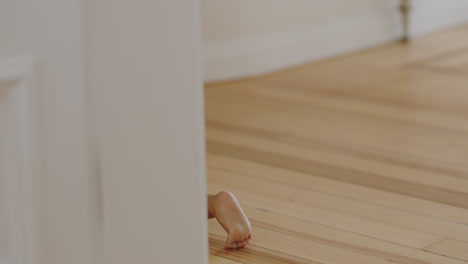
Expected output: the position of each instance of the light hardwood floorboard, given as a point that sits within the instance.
(337, 238)
(358, 159)
(304, 248)
(351, 223)
(345, 190)
(347, 168)
(311, 198)
(220, 260)
(451, 248)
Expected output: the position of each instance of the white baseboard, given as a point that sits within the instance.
(261, 54)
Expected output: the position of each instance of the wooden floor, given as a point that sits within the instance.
(360, 159)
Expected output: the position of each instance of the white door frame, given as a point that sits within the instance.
(66, 206)
(21, 167)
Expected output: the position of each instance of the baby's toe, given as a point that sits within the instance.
(231, 245)
(238, 243)
(242, 243)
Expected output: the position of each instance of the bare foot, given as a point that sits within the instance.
(226, 209)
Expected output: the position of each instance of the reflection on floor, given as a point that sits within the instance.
(360, 159)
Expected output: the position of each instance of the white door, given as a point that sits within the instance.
(101, 132)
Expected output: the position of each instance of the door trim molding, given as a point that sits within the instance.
(16, 75)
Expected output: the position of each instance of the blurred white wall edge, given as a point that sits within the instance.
(248, 38)
(145, 84)
(102, 132)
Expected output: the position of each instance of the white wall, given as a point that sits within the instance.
(50, 32)
(145, 87)
(432, 15)
(246, 38)
(131, 70)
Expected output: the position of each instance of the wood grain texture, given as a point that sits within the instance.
(359, 159)
(349, 191)
(253, 254)
(452, 248)
(302, 148)
(337, 238)
(350, 223)
(311, 199)
(336, 172)
(305, 249)
(220, 260)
